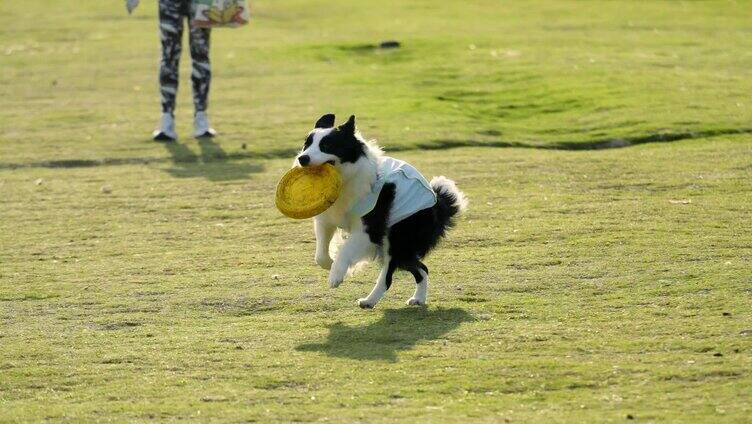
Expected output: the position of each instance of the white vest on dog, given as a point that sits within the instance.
(412, 191)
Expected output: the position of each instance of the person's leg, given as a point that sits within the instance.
(201, 75)
(171, 34)
(201, 78)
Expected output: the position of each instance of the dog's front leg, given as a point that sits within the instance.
(324, 233)
(357, 247)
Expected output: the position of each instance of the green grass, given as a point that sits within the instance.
(585, 283)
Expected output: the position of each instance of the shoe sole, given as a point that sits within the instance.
(163, 137)
(207, 134)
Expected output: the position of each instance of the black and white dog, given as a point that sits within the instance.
(386, 207)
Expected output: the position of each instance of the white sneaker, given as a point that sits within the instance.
(166, 131)
(201, 126)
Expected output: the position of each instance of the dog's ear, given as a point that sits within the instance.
(326, 121)
(349, 126)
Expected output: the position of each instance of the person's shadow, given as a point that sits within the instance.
(213, 162)
(398, 329)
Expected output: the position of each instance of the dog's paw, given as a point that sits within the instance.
(324, 262)
(416, 302)
(335, 280)
(365, 303)
(337, 276)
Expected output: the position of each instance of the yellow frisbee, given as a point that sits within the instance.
(306, 192)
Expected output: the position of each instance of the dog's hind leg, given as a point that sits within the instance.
(382, 284)
(420, 272)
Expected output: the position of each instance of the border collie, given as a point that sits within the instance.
(389, 211)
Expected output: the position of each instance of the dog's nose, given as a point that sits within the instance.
(304, 160)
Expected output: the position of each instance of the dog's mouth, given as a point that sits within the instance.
(330, 162)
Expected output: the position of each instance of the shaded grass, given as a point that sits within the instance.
(213, 152)
(381, 339)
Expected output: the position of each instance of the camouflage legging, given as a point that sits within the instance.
(172, 14)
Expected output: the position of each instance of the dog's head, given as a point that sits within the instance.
(329, 144)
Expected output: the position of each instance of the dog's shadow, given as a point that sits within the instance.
(397, 330)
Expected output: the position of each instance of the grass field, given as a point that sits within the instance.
(603, 272)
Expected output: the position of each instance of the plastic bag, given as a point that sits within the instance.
(220, 13)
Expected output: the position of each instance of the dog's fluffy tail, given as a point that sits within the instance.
(450, 201)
